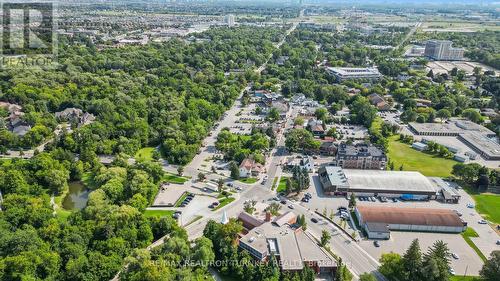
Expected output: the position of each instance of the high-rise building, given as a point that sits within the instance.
(229, 20)
(442, 50)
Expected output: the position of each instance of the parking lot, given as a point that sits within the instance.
(468, 263)
(351, 131)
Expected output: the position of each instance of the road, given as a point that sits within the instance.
(409, 35)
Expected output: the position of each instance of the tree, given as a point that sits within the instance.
(392, 266)
(180, 170)
(325, 238)
(401, 167)
(249, 206)
(367, 277)
(321, 113)
(201, 176)
(473, 115)
(300, 139)
(220, 185)
(273, 115)
(412, 262)
(235, 171)
(436, 263)
(352, 201)
(274, 208)
(491, 268)
(443, 114)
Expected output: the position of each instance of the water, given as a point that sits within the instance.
(77, 196)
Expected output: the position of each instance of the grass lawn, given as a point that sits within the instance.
(282, 184)
(171, 178)
(145, 154)
(224, 202)
(273, 187)
(465, 278)
(158, 213)
(413, 160)
(470, 232)
(488, 205)
(181, 199)
(249, 180)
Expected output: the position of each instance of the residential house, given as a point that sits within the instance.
(250, 167)
(328, 148)
(379, 102)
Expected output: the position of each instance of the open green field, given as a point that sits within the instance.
(171, 178)
(282, 184)
(470, 232)
(145, 154)
(488, 205)
(249, 180)
(158, 213)
(413, 160)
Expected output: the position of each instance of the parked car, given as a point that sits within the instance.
(314, 220)
(373, 199)
(452, 271)
(305, 200)
(455, 256)
(394, 200)
(291, 206)
(482, 222)
(470, 205)
(376, 243)
(283, 202)
(498, 242)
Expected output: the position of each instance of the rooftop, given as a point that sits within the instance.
(482, 142)
(353, 71)
(455, 126)
(412, 216)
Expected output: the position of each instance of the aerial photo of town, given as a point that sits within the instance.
(273, 140)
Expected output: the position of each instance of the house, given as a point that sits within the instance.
(14, 121)
(249, 167)
(328, 148)
(316, 127)
(75, 115)
(379, 102)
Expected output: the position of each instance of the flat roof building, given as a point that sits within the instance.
(488, 148)
(347, 73)
(411, 219)
(442, 50)
(360, 156)
(336, 180)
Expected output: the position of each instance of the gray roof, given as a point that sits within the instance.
(377, 227)
(359, 149)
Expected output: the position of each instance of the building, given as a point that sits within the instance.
(379, 102)
(306, 163)
(328, 148)
(75, 115)
(229, 20)
(373, 219)
(442, 50)
(453, 127)
(403, 184)
(488, 148)
(250, 167)
(347, 73)
(419, 146)
(360, 156)
(292, 247)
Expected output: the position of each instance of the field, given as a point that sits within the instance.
(470, 232)
(171, 178)
(158, 213)
(282, 184)
(145, 154)
(413, 160)
(465, 278)
(488, 205)
(249, 180)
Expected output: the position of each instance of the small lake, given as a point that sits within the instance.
(77, 196)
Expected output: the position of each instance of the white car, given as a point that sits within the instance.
(470, 205)
(455, 256)
(452, 271)
(482, 222)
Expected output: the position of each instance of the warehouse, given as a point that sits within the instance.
(373, 219)
(407, 184)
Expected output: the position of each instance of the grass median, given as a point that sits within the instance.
(224, 202)
(467, 234)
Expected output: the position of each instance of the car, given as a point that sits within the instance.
(238, 188)
(376, 243)
(458, 213)
(291, 206)
(305, 200)
(498, 242)
(470, 205)
(178, 212)
(452, 271)
(455, 256)
(230, 184)
(395, 200)
(342, 208)
(373, 199)
(314, 220)
(482, 222)
(176, 216)
(283, 202)
(183, 204)
(211, 206)
(276, 198)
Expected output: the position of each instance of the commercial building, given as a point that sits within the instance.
(404, 184)
(250, 167)
(229, 20)
(378, 220)
(479, 138)
(442, 50)
(292, 247)
(360, 156)
(347, 73)
(379, 102)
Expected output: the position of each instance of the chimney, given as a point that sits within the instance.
(268, 216)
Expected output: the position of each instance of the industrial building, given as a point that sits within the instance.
(404, 184)
(442, 50)
(378, 221)
(486, 147)
(347, 73)
(292, 247)
(360, 156)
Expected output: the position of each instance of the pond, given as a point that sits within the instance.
(77, 196)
